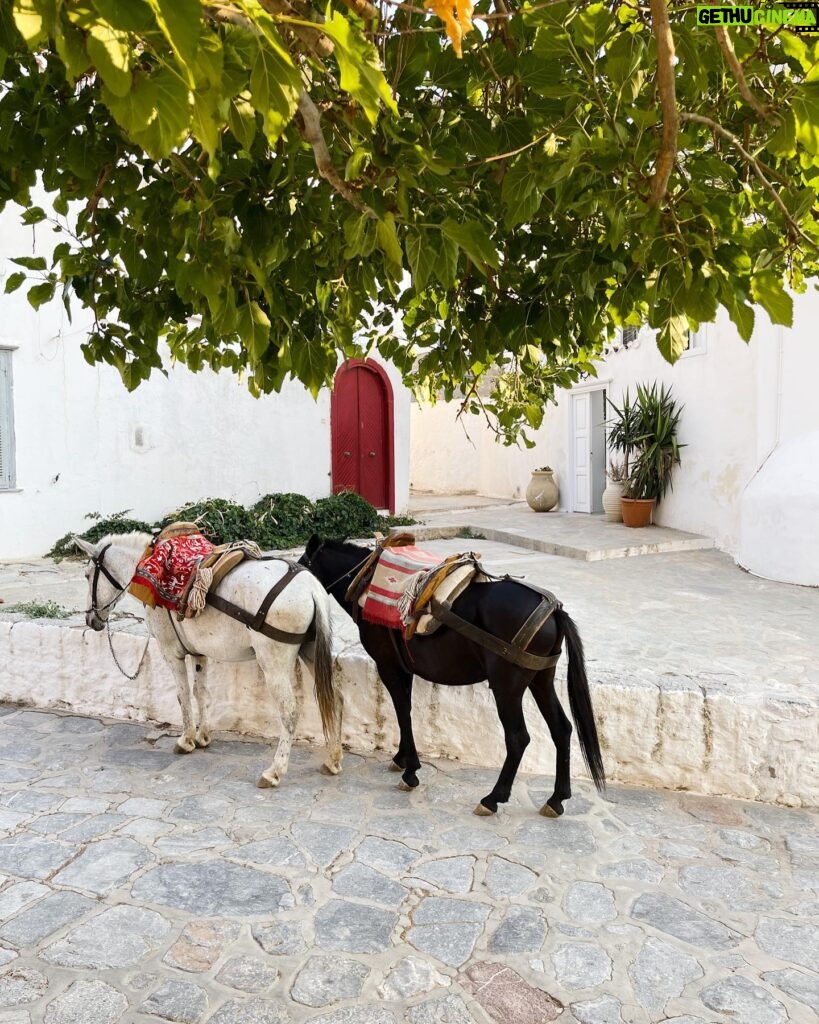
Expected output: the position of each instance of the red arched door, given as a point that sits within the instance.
(362, 432)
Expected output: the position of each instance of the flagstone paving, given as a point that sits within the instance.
(137, 887)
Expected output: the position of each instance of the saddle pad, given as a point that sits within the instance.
(395, 568)
(163, 573)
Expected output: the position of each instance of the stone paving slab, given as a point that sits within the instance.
(567, 534)
(634, 909)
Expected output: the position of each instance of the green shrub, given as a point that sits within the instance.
(344, 515)
(103, 525)
(282, 520)
(220, 520)
(275, 522)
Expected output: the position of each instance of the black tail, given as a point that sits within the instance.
(580, 701)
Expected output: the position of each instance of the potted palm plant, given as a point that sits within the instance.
(645, 431)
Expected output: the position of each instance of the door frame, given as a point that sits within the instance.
(598, 384)
(381, 373)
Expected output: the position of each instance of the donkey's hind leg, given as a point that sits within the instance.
(560, 729)
(278, 663)
(508, 690)
(202, 697)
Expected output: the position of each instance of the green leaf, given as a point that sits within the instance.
(13, 281)
(242, 122)
(768, 290)
(275, 87)
(806, 113)
(110, 52)
(155, 112)
(473, 238)
(361, 73)
(34, 19)
(33, 215)
(446, 262)
(672, 338)
(591, 26)
(740, 313)
(41, 293)
(421, 256)
(254, 330)
(180, 22)
(130, 16)
(30, 262)
(520, 193)
(388, 243)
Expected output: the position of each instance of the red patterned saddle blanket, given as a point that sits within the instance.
(164, 572)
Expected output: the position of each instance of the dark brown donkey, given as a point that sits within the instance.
(448, 657)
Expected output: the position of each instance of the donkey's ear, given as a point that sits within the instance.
(313, 544)
(83, 545)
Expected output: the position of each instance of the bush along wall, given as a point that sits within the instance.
(276, 522)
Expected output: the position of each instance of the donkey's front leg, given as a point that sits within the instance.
(277, 662)
(399, 687)
(200, 692)
(187, 741)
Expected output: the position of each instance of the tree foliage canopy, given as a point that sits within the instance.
(269, 184)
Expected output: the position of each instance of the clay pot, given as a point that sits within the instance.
(611, 501)
(542, 494)
(637, 511)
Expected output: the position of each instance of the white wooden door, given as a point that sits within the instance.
(582, 431)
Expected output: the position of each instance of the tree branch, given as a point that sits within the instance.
(668, 101)
(312, 133)
(363, 8)
(314, 40)
(794, 231)
(738, 72)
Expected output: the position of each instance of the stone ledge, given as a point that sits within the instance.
(707, 737)
(521, 539)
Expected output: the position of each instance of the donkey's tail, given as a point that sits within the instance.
(580, 700)
(327, 696)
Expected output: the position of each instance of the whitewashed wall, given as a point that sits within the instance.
(741, 402)
(84, 444)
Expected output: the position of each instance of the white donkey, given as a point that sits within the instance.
(213, 634)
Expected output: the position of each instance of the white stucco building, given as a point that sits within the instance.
(73, 440)
(749, 476)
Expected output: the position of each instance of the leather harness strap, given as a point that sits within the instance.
(257, 622)
(442, 610)
(544, 611)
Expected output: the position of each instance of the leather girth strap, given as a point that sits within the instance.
(257, 622)
(512, 650)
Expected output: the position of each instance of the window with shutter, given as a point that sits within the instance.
(7, 477)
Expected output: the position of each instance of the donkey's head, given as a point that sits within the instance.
(113, 561)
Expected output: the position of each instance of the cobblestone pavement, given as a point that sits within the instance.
(138, 886)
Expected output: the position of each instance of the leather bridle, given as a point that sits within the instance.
(100, 569)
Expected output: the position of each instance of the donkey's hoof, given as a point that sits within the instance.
(327, 769)
(265, 783)
(405, 787)
(549, 812)
(203, 741)
(394, 767)
(182, 748)
(483, 812)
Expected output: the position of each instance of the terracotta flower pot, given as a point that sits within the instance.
(542, 494)
(637, 511)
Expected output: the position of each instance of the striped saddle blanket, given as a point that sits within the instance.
(405, 580)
